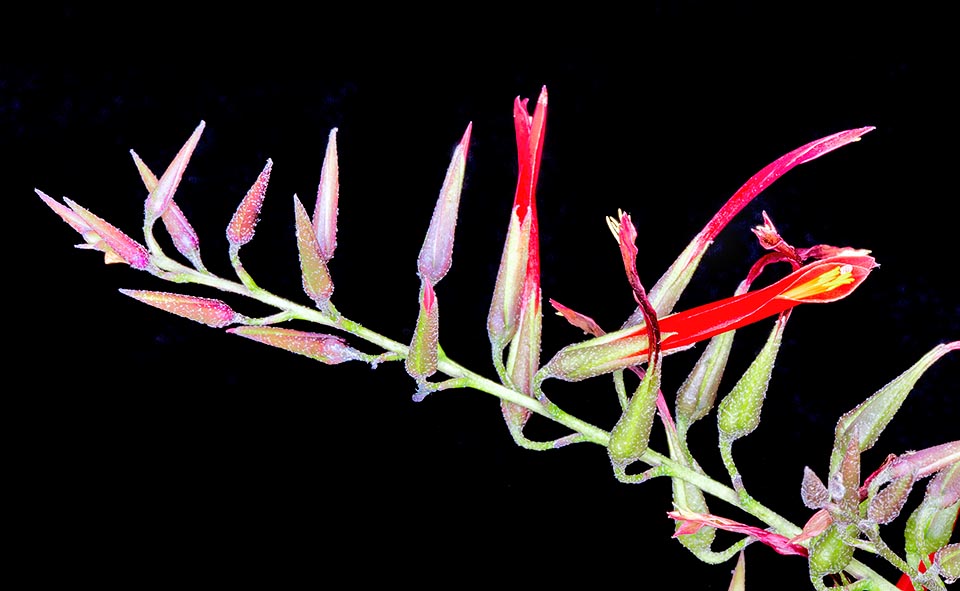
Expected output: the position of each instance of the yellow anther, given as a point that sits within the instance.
(826, 281)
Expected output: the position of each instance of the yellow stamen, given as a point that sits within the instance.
(614, 225)
(826, 281)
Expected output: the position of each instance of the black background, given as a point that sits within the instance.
(147, 445)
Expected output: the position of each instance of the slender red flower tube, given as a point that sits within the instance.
(826, 280)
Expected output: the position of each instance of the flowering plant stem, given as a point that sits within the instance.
(848, 512)
(464, 377)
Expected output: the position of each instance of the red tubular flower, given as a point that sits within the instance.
(826, 280)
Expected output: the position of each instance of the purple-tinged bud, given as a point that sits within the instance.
(872, 416)
(328, 195)
(813, 492)
(128, 249)
(316, 277)
(423, 357)
(436, 255)
(321, 347)
(886, 505)
(160, 197)
(207, 311)
(184, 237)
(844, 482)
(244, 221)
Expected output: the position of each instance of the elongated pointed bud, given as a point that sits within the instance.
(160, 197)
(615, 350)
(739, 580)
(128, 249)
(244, 221)
(947, 560)
(313, 268)
(184, 237)
(886, 505)
(739, 412)
(631, 435)
(872, 416)
(698, 393)
(931, 524)
(519, 268)
(436, 255)
(207, 311)
(328, 197)
(321, 347)
(844, 484)
(813, 492)
(91, 239)
(504, 312)
(423, 357)
(690, 498)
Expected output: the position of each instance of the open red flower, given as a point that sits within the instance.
(826, 280)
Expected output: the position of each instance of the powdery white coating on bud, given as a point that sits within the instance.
(423, 356)
(948, 559)
(184, 237)
(328, 196)
(244, 221)
(160, 197)
(207, 311)
(131, 251)
(436, 255)
(316, 277)
(887, 504)
(813, 492)
(872, 416)
(321, 347)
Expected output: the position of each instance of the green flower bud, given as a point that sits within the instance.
(739, 412)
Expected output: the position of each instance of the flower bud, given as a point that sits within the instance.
(828, 552)
(128, 249)
(631, 435)
(322, 347)
(872, 416)
(328, 196)
(436, 255)
(313, 269)
(948, 561)
(207, 311)
(244, 221)
(698, 393)
(161, 195)
(739, 412)
(423, 356)
(184, 237)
